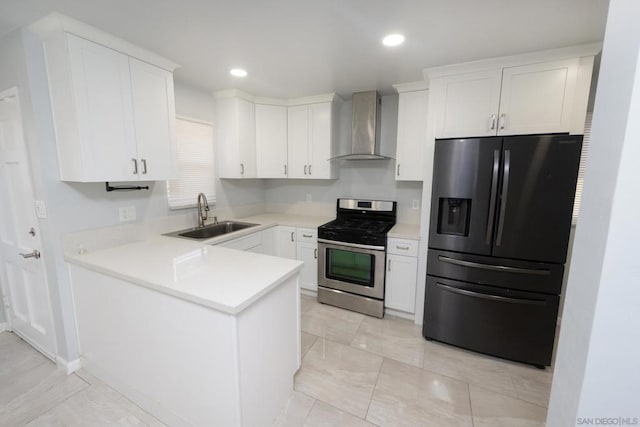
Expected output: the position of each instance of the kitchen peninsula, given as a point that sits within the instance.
(195, 334)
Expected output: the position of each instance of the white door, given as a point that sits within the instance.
(320, 140)
(412, 135)
(286, 242)
(155, 120)
(24, 285)
(538, 98)
(298, 141)
(271, 140)
(467, 104)
(400, 291)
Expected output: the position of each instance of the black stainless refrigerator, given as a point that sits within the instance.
(501, 213)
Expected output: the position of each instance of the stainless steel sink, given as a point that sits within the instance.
(210, 231)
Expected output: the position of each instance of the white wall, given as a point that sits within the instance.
(372, 179)
(596, 371)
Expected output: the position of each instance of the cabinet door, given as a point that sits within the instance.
(308, 253)
(286, 242)
(400, 285)
(154, 115)
(538, 98)
(235, 143)
(247, 138)
(412, 135)
(298, 141)
(271, 141)
(101, 87)
(319, 141)
(467, 104)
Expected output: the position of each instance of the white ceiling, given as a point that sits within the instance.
(301, 47)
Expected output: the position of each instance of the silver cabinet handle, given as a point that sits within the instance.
(389, 265)
(32, 231)
(144, 166)
(493, 122)
(315, 253)
(292, 236)
(494, 194)
(307, 235)
(398, 170)
(309, 169)
(402, 248)
(135, 166)
(241, 168)
(506, 166)
(503, 119)
(35, 254)
(305, 169)
(285, 170)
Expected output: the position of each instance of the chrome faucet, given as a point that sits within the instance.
(203, 208)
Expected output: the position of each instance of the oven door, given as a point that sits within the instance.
(353, 268)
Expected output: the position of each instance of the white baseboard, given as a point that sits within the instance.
(308, 293)
(401, 314)
(3, 326)
(68, 367)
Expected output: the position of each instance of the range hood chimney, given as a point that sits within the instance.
(365, 127)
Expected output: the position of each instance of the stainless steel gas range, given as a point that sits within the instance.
(352, 255)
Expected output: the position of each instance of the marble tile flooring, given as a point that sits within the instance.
(361, 371)
(356, 371)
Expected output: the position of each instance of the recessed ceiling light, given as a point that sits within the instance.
(238, 72)
(393, 40)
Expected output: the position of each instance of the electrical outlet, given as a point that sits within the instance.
(415, 204)
(127, 213)
(308, 198)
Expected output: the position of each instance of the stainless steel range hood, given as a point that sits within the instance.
(365, 128)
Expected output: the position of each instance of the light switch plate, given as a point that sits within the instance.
(127, 213)
(415, 204)
(41, 209)
(308, 198)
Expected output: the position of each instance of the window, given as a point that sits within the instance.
(583, 162)
(195, 164)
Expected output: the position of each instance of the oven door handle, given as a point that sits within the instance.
(352, 245)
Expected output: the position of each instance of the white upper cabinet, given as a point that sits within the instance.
(539, 92)
(311, 141)
(412, 134)
(236, 137)
(271, 141)
(114, 115)
(154, 115)
(468, 104)
(537, 98)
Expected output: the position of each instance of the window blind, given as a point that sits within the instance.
(195, 164)
(583, 162)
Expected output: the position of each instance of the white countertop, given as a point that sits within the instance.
(405, 231)
(223, 279)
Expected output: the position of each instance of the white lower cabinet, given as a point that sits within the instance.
(286, 242)
(307, 252)
(402, 275)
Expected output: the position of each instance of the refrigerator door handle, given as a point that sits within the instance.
(490, 297)
(494, 194)
(503, 196)
(492, 267)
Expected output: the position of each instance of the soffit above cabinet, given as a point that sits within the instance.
(55, 23)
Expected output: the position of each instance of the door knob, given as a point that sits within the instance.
(35, 254)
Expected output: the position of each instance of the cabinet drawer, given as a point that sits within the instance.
(402, 247)
(307, 234)
(244, 243)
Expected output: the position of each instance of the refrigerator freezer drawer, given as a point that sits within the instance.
(513, 325)
(505, 273)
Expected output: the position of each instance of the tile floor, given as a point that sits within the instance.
(361, 371)
(356, 371)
